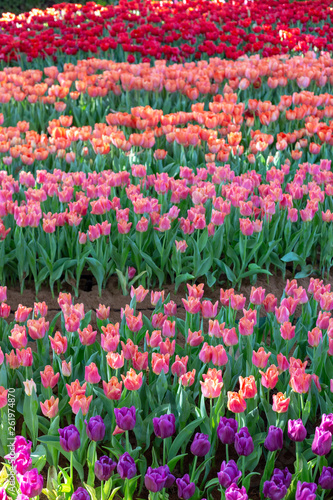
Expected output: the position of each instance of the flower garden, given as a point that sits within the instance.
(179, 152)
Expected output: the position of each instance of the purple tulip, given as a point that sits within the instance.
(31, 483)
(95, 428)
(306, 491)
(227, 429)
(186, 489)
(236, 493)
(104, 467)
(20, 496)
(282, 475)
(80, 494)
(228, 474)
(326, 478)
(296, 430)
(170, 478)
(243, 442)
(274, 439)
(126, 467)
(125, 418)
(274, 489)
(155, 479)
(201, 445)
(69, 438)
(165, 425)
(327, 422)
(322, 442)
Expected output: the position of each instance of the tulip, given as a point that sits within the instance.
(200, 445)
(274, 490)
(296, 430)
(270, 378)
(31, 483)
(306, 491)
(66, 368)
(132, 380)
(125, 418)
(257, 295)
(126, 467)
(226, 430)
(29, 387)
(58, 343)
(87, 335)
(164, 426)
(186, 488)
(327, 422)
(50, 407)
(260, 358)
(236, 402)
(248, 387)
(91, 374)
(112, 389)
(236, 493)
(274, 439)
(326, 478)
(95, 428)
(155, 479)
(69, 438)
(80, 402)
(80, 494)
(211, 388)
(322, 442)
(282, 477)
(280, 403)
(102, 312)
(228, 474)
(104, 467)
(49, 378)
(243, 442)
(187, 379)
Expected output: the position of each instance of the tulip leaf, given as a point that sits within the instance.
(172, 463)
(183, 437)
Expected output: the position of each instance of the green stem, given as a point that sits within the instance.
(127, 492)
(316, 469)
(164, 452)
(194, 467)
(102, 490)
(227, 453)
(298, 445)
(71, 472)
(243, 469)
(127, 442)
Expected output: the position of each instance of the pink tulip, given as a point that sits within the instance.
(87, 335)
(194, 338)
(50, 407)
(49, 378)
(91, 374)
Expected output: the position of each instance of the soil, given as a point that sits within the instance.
(112, 296)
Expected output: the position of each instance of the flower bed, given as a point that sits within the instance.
(265, 371)
(176, 31)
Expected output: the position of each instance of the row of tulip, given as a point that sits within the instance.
(190, 29)
(89, 88)
(137, 391)
(150, 226)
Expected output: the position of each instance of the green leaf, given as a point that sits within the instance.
(183, 437)
(181, 278)
(291, 257)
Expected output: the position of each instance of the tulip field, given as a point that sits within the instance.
(178, 153)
